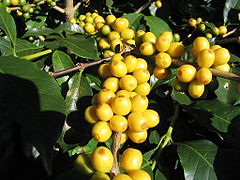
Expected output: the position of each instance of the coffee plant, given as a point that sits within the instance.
(122, 90)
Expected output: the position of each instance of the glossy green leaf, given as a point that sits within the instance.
(181, 97)
(61, 61)
(38, 22)
(229, 4)
(154, 137)
(222, 113)
(159, 176)
(7, 24)
(35, 102)
(70, 28)
(156, 25)
(80, 45)
(39, 31)
(135, 20)
(197, 158)
(227, 91)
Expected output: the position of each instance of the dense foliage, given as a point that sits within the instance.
(49, 76)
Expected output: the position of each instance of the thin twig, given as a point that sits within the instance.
(144, 6)
(75, 8)
(230, 32)
(116, 146)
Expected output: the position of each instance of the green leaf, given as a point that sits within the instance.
(7, 24)
(135, 20)
(34, 99)
(156, 25)
(145, 166)
(80, 45)
(197, 158)
(36, 23)
(154, 137)
(227, 91)
(222, 113)
(23, 47)
(60, 62)
(159, 176)
(229, 4)
(70, 28)
(39, 31)
(181, 97)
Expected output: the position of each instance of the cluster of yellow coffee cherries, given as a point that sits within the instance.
(122, 104)
(100, 163)
(163, 48)
(209, 32)
(206, 56)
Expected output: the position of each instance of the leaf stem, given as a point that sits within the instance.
(36, 55)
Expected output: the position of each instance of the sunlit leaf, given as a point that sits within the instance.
(135, 20)
(197, 158)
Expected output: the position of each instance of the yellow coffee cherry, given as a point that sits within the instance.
(104, 112)
(73, 20)
(222, 30)
(139, 174)
(199, 44)
(137, 136)
(204, 76)
(102, 159)
(121, 105)
(206, 58)
(90, 114)
(222, 56)
(128, 82)
(105, 29)
(127, 34)
(118, 68)
(122, 177)
(89, 28)
(199, 20)
(108, 53)
(186, 73)
(113, 35)
(116, 45)
(195, 89)
(149, 37)
(105, 96)
(118, 123)
(99, 25)
(192, 22)
(215, 47)
(132, 94)
(161, 73)
(223, 67)
(124, 137)
(147, 48)
(103, 43)
(176, 49)
(139, 103)
(100, 176)
(168, 35)
(83, 164)
(104, 71)
(130, 42)
(111, 83)
(131, 159)
(94, 100)
(141, 64)
(120, 24)
(110, 19)
(123, 92)
(142, 75)
(94, 14)
(88, 14)
(137, 122)
(101, 131)
(180, 86)
(131, 63)
(158, 4)
(138, 36)
(117, 57)
(99, 19)
(89, 19)
(163, 60)
(152, 118)
(162, 43)
(143, 89)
